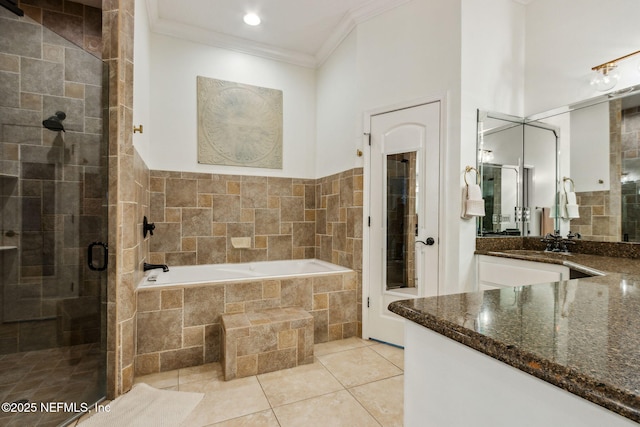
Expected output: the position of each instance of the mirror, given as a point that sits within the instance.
(402, 219)
(599, 142)
(518, 168)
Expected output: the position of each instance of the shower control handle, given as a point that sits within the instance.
(147, 227)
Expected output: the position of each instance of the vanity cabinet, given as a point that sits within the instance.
(497, 272)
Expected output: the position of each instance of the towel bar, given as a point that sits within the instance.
(468, 169)
(564, 182)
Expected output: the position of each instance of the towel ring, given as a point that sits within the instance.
(564, 184)
(468, 169)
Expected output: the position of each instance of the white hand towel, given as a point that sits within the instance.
(573, 211)
(472, 202)
(568, 205)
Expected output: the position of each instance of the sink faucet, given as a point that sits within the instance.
(556, 243)
(147, 267)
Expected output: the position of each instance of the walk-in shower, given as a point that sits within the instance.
(52, 207)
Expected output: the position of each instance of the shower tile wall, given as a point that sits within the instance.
(51, 192)
(197, 215)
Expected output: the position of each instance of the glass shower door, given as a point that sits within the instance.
(53, 158)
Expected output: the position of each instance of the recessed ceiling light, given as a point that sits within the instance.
(251, 19)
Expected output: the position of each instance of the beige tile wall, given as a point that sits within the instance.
(181, 327)
(197, 215)
(339, 225)
(128, 181)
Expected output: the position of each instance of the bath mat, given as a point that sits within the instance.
(145, 406)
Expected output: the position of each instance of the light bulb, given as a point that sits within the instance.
(252, 19)
(605, 78)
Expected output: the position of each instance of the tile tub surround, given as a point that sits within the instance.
(179, 327)
(197, 215)
(264, 341)
(581, 335)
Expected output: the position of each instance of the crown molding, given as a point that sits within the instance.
(200, 35)
(350, 21)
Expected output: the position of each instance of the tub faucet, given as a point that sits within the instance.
(147, 267)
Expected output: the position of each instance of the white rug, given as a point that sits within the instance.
(145, 406)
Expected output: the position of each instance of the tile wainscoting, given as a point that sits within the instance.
(180, 327)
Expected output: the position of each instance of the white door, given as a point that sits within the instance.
(404, 205)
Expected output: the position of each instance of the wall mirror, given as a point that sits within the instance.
(517, 161)
(599, 141)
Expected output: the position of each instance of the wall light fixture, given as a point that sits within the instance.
(607, 75)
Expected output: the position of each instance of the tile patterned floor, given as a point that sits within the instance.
(60, 374)
(352, 383)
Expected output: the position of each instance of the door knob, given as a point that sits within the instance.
(430, 241)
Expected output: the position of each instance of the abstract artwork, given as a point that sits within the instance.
(239, 124)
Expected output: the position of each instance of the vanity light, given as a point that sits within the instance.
(606, 78)
(252, 19)
(607, 75)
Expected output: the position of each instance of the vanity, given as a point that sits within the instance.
(558, 353)
(548, 339)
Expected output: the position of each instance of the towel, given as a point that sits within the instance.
(472, 201)
(568, 205)
(546, 221)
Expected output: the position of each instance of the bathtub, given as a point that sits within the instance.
(222, 273)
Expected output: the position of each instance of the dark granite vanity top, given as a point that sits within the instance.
(582, 335)
(577, 261)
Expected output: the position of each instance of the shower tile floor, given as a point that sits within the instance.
(70, 374)
(352, 382)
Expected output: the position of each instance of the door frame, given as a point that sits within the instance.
(366, 211)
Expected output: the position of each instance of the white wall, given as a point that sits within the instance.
(589, 156)
(175, 64)
(566, 38)
(411, 52)
(337, 113)
(492, 79)
(141, 72)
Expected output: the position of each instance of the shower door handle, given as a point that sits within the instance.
(105, 260)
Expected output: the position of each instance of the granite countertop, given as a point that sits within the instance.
(582, 335)
(577, 261)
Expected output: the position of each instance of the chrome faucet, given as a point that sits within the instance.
(148, 267)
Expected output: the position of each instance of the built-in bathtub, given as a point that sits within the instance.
(222, 273)
(178, 313)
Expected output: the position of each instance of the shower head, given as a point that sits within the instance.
(54, 123)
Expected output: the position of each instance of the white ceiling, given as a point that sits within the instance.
(302, 32)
